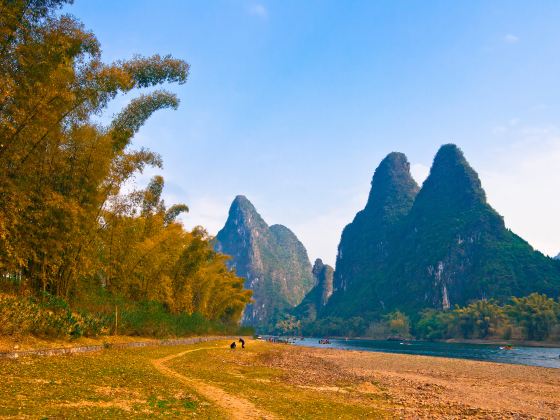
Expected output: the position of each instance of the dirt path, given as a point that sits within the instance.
(235, 407)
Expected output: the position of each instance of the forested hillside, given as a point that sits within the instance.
(438, 247)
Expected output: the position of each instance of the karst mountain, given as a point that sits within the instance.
(272, 260)
(432, 247)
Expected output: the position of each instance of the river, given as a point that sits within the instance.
(532, 356)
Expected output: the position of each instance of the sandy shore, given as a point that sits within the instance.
(429, 387)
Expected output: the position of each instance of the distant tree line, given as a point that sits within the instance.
(535, 317)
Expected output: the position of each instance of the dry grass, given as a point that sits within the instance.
(107, 384)
(283, 381)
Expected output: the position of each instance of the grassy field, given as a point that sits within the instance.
(106, 384)
(125, 382)
(209, 380)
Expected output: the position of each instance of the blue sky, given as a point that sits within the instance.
(294, 103)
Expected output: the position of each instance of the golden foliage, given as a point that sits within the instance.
(61, 218)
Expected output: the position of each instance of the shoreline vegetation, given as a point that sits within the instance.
(209, 380)
(530, 319)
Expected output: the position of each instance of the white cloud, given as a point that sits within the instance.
(259, 10)
(505, 128)
(419, 172)
(522, 184)
(499, 129)
(209, 212)
(321, 234)
(511, 39)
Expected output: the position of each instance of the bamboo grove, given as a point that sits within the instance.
(64, 221)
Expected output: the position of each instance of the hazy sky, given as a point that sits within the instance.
(294, 103)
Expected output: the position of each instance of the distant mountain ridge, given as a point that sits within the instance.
(434, 247)
(317, 297)
(271, 259)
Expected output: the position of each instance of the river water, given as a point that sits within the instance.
(532, 356)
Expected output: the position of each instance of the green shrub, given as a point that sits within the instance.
(52, 317)
(46, 316)
(154, 320)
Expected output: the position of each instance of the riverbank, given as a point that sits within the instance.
(209, 380)
(490, 342)
(547, 344)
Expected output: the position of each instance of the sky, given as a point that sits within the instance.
(294, 103)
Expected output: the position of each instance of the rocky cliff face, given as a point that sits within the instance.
(318, 297)
(272, 260)
(324, 275)
(557, 257)
(365, 243)
(455, 237)
(444, 246)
